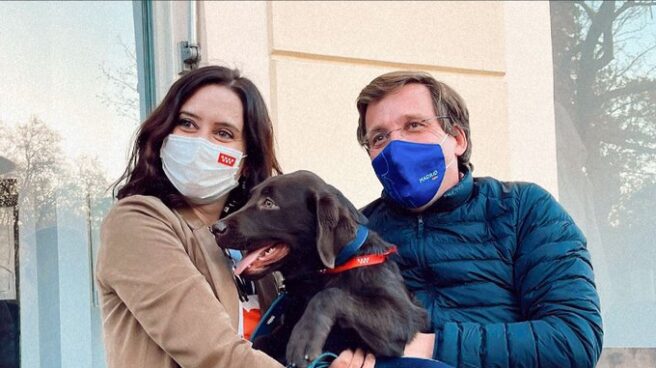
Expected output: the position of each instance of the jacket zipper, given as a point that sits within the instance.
(420, 226)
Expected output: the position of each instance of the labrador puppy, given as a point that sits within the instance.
(299, 225)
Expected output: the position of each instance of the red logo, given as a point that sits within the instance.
(226, 160)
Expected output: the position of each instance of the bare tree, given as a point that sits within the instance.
(91, 186)
(123, 93)
(35, 149)
(605, 96)
(603, 79)
(46, 180)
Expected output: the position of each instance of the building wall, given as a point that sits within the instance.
(311, 59)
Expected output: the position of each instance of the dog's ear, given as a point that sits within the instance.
(335, 226)
(357, 216)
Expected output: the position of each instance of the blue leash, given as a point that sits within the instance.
(322, 361)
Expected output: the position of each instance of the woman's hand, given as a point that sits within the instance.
(351, 359)
(421, 346)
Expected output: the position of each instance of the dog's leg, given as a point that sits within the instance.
(274, 344)
(310, 333)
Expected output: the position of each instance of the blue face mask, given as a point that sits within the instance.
(411, 173)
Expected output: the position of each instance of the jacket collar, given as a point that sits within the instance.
(450, 200)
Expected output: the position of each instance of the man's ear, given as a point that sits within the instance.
(335, 227)
(461, 141)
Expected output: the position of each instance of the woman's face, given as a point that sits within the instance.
(214, 113)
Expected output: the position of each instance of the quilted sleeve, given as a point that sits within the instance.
(555, 287)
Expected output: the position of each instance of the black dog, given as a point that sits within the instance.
(297, 224)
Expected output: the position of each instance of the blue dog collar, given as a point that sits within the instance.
(351, 248)
(272, 318)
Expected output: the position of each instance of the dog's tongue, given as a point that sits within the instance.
(248, 260)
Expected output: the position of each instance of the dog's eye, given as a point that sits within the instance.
(269, 204)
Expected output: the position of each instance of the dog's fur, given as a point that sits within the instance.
(305, 223)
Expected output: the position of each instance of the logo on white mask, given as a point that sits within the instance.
(226, 160)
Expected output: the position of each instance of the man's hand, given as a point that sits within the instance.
(357, 359)
(421, 346)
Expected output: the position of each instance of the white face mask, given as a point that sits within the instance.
(200, 170)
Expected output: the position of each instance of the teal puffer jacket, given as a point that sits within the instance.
(503, 272)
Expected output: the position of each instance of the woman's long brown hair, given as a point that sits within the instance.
(144, 174)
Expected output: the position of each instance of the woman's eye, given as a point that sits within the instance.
(186, 123)
(225, 134)
(415, 125)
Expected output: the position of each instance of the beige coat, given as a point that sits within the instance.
(168, 298)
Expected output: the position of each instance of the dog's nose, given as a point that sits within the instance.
(219, 227)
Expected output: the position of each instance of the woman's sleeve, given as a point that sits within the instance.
(557, 295)
(146, 265)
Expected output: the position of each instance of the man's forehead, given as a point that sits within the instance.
(410, 102)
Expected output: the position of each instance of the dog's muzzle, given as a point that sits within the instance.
(219, 227)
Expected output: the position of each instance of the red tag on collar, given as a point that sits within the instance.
(361, 261)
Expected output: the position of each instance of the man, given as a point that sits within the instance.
(501, 268)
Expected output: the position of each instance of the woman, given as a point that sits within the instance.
(168, 295)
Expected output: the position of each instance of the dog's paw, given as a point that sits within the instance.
(303, 347)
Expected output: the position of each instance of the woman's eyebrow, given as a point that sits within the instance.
(189, 113)
(220, 123)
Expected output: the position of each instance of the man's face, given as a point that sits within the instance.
(410, 103)
(396, 113)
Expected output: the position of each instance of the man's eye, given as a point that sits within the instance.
(413, 125)
(377, 138)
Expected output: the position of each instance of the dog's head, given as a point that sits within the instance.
(294, 223)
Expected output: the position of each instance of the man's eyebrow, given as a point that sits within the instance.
(377, 128)
(406, 117)
(411, 117)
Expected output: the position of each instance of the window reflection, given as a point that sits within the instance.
(68, 108)
(604, 61)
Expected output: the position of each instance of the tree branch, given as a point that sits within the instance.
(608, 47)
(635, 59)
(587, 8)
(624, 7)
(630, 88)
(627, 145)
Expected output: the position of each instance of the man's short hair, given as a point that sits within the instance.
(446, 102)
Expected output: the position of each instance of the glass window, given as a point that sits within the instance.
(69, 106)
(605, 95)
